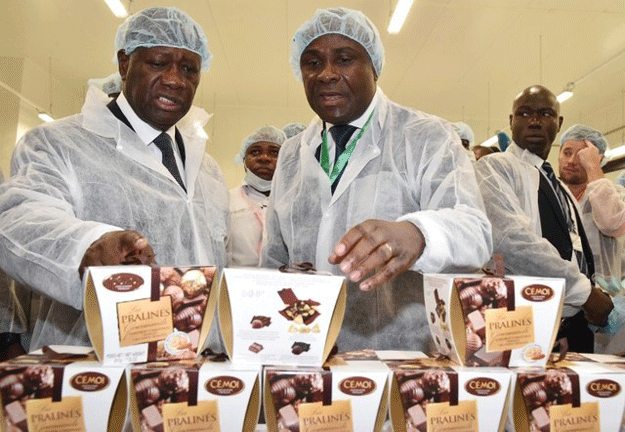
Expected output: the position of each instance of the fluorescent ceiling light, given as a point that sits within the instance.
(615, 152)
(117, 8)
(564, 96)
(399, 16)
(490, 141)
(45, 117)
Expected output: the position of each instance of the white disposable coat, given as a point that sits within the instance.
(603, 216)
(88, 174)
(247, 208)
(509, 183)
(408, 166)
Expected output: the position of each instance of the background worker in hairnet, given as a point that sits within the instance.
(93, 189)
(601, 202)
(258, 154)
(465, 133)
(292, 129)
(402, 195)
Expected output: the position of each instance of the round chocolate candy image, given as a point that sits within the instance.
(193, 283)
(176, 294)
(412, 391)
(172, 381)
(471, 299)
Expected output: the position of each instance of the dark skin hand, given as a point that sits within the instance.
(598, 307)
(118, 247)
(383, 248)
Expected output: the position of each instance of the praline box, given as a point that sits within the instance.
(151, 313)
(191, 396)
(489, 321)
(61, 389)
(348, 394)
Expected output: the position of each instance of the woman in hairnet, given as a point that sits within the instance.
(401, 196)
(92, 176)
(258, 155)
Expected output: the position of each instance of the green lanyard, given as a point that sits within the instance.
(344, 157)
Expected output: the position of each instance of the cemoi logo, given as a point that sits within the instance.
(537, 293)
(224, 385)
(482, 386)
(603, 388)
(89, 381)
(357, 386)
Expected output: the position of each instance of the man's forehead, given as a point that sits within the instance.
(536, 98)
(164, 49)
(333, 41)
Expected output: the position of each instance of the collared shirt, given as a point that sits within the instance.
(358, 123)
(147, 133)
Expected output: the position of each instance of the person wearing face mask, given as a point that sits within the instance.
(258, 155)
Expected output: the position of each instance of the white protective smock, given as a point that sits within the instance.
(509, 184)
(602, 209)
(407, 166)
(80, 177)
(247, 216)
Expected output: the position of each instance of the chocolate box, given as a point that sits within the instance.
(489, 321)
(192, 396)
(271, 317)
(345, 395)
(61, 389)
(151, 313)
(432, 395)
(569, 396)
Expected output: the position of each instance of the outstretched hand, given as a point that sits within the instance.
(117, 247)
(385, 248)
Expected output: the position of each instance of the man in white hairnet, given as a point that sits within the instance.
(601, 202)
(371, 189)
(536, 226)
(258, 154)
(124, 181)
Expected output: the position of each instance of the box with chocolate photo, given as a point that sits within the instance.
(151, 313)
(192, 396)
(432, 395)
(490, 321)
(61, 389)
(273, 317)
(570, 396)
(345, 395)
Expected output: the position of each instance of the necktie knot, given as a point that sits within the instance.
(341, 135)
(164, 144)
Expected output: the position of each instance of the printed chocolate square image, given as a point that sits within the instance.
(299, 311)
(256, 347)
(543, 390)
(418, 389)
(288, 391)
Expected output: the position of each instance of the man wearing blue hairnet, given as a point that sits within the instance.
(371, 189)
(601, 202)
(124, 181)
(258, 155)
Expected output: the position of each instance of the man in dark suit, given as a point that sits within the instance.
(118, 183)
(536, 225)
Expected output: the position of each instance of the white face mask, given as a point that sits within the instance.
(256, 182)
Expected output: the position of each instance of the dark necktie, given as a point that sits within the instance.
(164, 143)
(562, 199)
(341, 135)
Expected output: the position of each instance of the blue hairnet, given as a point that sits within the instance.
(347, 22)
(265, 133)
(292, 129)
(464, 131)
(162, 26)
(580, 133)
(504, 140)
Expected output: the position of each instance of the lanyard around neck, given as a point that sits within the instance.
(344, 157)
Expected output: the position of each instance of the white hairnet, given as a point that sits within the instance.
(264, 133)
(109, 85)
(292, 129)
(347, 22)
(464, 131)
(162, 26)
(580, 133)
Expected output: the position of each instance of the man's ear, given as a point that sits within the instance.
(511, 120)
(122, 61)
(560, 123)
